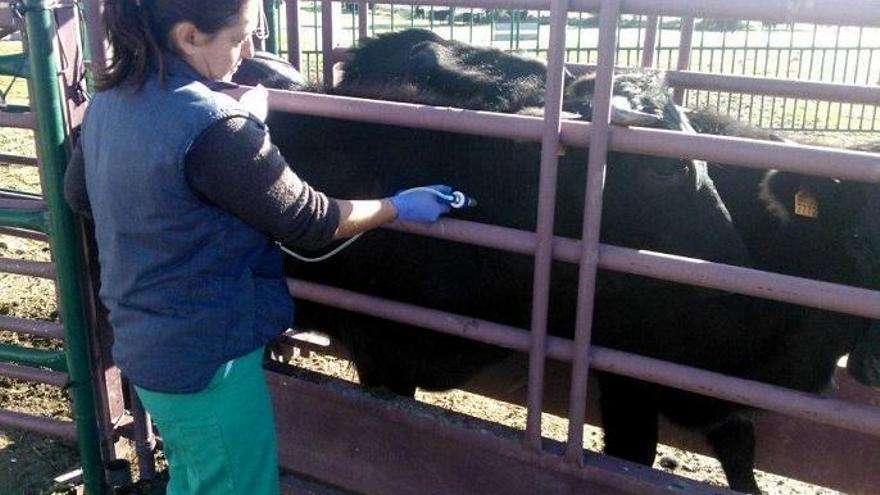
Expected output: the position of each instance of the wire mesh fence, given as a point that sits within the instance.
(839, 54)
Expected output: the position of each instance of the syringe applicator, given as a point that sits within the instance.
(462, 200)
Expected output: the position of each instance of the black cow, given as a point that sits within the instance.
(645, 201)
(833, 235)
(651, 203)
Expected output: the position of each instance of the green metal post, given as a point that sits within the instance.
(52, 143)
(272, 9)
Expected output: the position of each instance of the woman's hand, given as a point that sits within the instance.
(423, 204)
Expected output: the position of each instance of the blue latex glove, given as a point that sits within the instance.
(422, 204)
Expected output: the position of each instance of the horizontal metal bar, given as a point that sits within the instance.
(813, 160)
(852, 165)
(770, 86)
(18, 160)
(14, 194)
(18, 213)
(26, 234)
(65, 430)
(42, 269)
(465, 455)
(865, 419)
(39, 328)
(785, 288)
(27, 356)
(23, 120)
(844, 93)
(856, 12)
(36, 375)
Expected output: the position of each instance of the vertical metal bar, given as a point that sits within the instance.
(764, 73)
(52, 141)
(608, 13)
(93, 12)
(294, 49)
(315, 43)
(833, 73)
(546, 210)
(732, 66)
(270, 9)
(363, 7)
(327, 42)
(867, 73)
(392, 17)
(580, 31)
(684, 52)
(450, 19)
(144, 439)
(867, 81)
(787, 76)
(810, 75)
(695, 95)
(743, 71)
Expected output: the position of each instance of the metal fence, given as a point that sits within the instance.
(812, 52)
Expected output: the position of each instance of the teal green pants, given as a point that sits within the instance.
(221, 440)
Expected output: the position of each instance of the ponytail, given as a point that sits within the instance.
(133, 42)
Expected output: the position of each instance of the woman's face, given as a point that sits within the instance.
(218, 56)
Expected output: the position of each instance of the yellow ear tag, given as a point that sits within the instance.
(805, 204)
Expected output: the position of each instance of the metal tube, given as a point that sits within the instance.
(858, 12)
(545, 219)
(844, 93)
(66, 430)
(650, 42)
(14, 213)
(98, 47)
(52, 145)
(36, 375)
(38, 328)
(18, 159)
(144, 439)
(27, 356)
(856, 417)
(813, 160)
(42, 269)
(26, 234)
(271, 11)
(684, 53)
(327, 42)
(747, 281)
(589, 256)
(363, 7)
(294, 52)
(23, 120)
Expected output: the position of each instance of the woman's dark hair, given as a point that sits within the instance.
(138, 32)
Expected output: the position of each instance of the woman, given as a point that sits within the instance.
(187, 194)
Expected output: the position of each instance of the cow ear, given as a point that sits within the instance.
(790, 196)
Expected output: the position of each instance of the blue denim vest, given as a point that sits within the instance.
(189, 286)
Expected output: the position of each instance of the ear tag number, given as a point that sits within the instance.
(805, 204)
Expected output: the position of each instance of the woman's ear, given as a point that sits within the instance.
(186, 38)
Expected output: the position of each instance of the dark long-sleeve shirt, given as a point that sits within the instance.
(234, 166)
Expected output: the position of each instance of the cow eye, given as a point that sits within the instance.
(669, 171)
